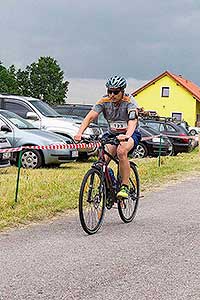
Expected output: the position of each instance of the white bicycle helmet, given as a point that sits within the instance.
(116, 82)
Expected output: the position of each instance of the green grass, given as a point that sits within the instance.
(44, 193)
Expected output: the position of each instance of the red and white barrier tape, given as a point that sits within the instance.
(86, 145)
(53, 147)
(192, 137)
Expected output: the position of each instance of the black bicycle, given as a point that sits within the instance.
(98, 191)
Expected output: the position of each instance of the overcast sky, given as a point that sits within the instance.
(94, 39)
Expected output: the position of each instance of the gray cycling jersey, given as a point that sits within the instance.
(117, 115)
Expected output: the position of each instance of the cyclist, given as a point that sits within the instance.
(121, 112)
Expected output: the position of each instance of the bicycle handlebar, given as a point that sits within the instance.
(109, 140)
(103, 140)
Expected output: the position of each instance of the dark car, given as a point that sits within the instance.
(151, 144)
(176, 133)
(81, 110)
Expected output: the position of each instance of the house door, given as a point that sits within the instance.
(198, 120)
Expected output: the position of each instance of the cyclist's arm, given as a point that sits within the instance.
(133, 118)
(132, 124)
(92, 115)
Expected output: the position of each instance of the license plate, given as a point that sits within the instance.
(75, 153)
(6, 155)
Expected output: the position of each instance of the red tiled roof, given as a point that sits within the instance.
(185, 83)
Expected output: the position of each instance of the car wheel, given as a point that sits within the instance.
(141, 151)
(31, 159)
(192, 132)
(172, 151)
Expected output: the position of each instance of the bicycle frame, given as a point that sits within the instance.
(102, 164)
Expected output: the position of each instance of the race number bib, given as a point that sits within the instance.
(118, 126)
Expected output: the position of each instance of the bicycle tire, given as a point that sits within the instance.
(127, 207)
(92, 201)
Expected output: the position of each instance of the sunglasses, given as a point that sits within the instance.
(115, 92)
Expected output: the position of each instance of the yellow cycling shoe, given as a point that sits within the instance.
(123, 193)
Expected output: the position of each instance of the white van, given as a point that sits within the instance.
(45, 117)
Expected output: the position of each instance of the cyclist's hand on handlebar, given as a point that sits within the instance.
(122, 138)
(84, 138)
(78, 137)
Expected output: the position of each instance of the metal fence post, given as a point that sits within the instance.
(159, 154)
(18, 175)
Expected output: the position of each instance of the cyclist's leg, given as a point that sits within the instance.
(110, 148)
(124, 166)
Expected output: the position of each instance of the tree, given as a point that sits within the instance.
(8, 82)
(43, 79)
(23, 82)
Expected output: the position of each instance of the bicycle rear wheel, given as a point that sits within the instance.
(92, 201)
(127, 207)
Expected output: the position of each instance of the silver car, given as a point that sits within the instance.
(41, 115)
(4, 156)
(20, 132)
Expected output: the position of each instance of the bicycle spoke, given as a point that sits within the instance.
(127, 207)
(92, 201)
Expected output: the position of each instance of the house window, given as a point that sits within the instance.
(177, 116)
(165, 91)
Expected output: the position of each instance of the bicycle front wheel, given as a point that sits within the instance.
(92, 201)
(127, 207)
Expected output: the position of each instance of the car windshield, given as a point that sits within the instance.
(45, 109)
(74, 118)
(17, 120)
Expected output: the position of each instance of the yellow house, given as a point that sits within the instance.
(171, 95)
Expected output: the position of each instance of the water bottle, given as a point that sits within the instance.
(113, 179)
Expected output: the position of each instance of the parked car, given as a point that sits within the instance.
(194, 130)
(81, 110)
(191, 129)
(176, 133)
(78, 120)
(20, 132)
(153, 145)
(6, 156)
(45, 117)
